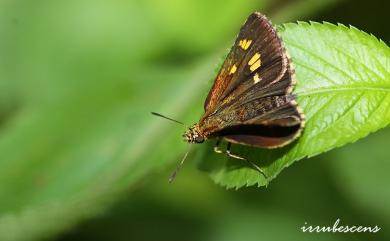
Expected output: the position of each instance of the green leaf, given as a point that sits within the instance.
(343, 86)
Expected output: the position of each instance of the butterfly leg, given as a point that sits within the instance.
(216, 147)
(256, 167)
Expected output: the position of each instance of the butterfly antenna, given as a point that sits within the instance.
(173, 176)
(165, 117)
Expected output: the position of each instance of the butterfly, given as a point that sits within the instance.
(251, 101)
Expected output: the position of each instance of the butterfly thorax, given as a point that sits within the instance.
(193, 135)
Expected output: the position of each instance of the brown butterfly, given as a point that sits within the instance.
(251, 101)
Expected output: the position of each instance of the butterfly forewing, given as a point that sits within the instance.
(256, 58)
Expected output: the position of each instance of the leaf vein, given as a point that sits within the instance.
(359, 63)
(315, 71)
(321, 59)
(349, 108)
(341, 89)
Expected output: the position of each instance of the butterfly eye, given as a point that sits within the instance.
(198, 139)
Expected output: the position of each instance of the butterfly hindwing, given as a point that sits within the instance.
(256, 58)
(276, 129)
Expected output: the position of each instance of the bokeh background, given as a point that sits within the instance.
(81, 158)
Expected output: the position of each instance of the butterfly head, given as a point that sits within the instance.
(193, 135)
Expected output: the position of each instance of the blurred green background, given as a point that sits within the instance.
(81, 158)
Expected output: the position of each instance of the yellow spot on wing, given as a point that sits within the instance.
(255, 57)
(244, 44)
(256, 78)
(233, 69)
(255, 66)
(247, 44)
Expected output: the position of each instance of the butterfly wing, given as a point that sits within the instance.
(281, 127)
(265, 116)
(257, 54)
(250, 102)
